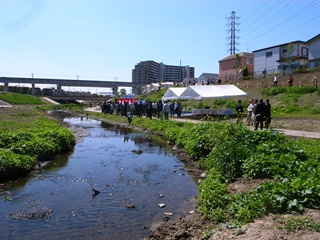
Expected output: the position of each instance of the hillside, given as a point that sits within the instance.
(296, 110)
(253, 87)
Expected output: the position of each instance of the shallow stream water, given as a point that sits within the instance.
(59, 201)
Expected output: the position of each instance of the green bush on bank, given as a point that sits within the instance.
(22, 148)
(290, 168)
(14, 165)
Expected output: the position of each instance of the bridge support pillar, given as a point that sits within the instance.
(115, 90)
(6, 87)
(59, 90)
(33, 90)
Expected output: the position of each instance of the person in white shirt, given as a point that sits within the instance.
(249, 114)
(314, 81)
(275, 80)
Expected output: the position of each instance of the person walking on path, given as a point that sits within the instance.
(290, 81)
(314, 81)
(267, 114)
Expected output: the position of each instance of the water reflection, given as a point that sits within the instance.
(104, 161)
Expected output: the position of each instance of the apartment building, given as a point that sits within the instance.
(147, 72)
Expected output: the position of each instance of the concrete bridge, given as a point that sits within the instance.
(64, 83)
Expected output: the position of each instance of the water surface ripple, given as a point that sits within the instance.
(58, 203)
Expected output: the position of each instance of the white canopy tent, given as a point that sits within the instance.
(201, 92)
(211, 91)
(173, 93)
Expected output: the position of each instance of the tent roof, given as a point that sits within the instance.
(173, 93)
(211, 91)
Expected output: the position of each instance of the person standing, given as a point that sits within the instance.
(249, 114)
(254, 120)
(290, 80)
(314, 81)
(275, 80)
(165, 110)
(172, 109)
(259, 114)
(149, 109)
(239, 111)
(159, 109)
(267, 114)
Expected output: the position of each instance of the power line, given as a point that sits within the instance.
(294, 28)
(290, 18)
(264, 15)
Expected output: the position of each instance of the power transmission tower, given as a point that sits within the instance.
(232, 29)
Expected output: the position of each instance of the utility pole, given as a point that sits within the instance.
(232, 29)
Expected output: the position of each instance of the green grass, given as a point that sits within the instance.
(13, 98)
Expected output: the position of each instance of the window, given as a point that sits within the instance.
(268, 54)
(249, 60)
(304, 51)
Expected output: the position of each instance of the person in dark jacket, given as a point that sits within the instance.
(149, 109)
(267, 114)
(259, 114)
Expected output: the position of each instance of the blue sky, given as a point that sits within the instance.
(105, 39)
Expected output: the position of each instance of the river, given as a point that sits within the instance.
(109, 187)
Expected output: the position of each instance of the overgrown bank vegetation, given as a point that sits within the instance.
(21, 149)
(27, 136)
(289, 169)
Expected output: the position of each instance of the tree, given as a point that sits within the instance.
(245, 72)
(123, 91)
(289, 59)
(237, 65)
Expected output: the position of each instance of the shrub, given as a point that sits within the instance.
(14, 165)
(214, 197)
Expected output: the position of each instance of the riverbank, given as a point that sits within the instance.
(194, 226)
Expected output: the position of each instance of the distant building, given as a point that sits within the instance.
(275, 59)
(227, 69)
(314, 52)
(147, 72)
(208, 78)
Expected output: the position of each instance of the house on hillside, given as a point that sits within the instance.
(208, 78)
(227, 66)
(314, 52)
(274, 59)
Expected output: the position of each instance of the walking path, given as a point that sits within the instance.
(287, 132)
(4, 104)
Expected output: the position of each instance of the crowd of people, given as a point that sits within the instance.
(258, 113)
(143, 108)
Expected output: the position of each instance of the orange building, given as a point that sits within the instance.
(227, 66)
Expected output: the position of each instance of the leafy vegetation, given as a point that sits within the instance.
(21, 149)
(295, 224)
(227, 152)
(28, 136)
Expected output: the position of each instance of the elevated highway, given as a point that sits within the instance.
(64, 83)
